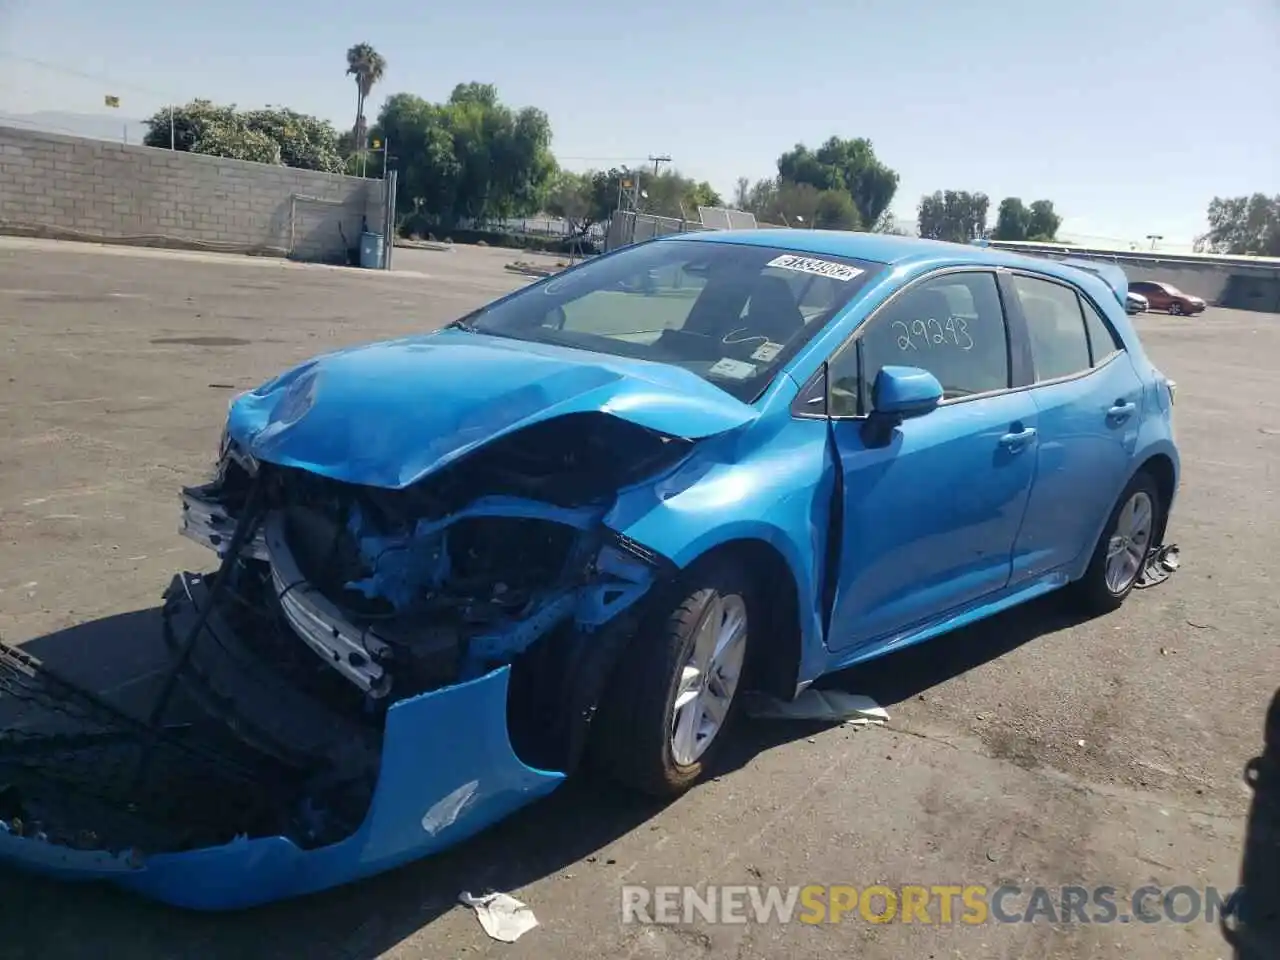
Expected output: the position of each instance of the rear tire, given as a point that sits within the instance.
(674, 692)
(1121, 552)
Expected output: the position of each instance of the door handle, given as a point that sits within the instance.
(1018, 440)
(1121, 410)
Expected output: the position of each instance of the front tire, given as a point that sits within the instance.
(1175, 309)
(1122, 549)
(674, 692)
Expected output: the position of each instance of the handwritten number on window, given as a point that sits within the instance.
(931, 333)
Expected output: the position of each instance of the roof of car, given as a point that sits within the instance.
(880, 248)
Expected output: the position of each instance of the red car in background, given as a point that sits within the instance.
(1167, 297)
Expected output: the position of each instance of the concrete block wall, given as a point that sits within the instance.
(75, 188)
(1238, 283)
(1238, 287)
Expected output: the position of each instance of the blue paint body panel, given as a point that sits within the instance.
(921, 536)
(946, 523)
(449, 747)
(388, 414)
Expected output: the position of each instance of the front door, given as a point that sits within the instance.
(929, 520)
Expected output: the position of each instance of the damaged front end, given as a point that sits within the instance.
(371, 675)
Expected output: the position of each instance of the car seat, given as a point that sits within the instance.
(772, 312)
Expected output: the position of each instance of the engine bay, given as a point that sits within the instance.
(332, 603)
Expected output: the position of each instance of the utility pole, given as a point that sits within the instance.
(657, 162)
(1153, 237)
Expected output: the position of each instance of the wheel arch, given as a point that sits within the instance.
(1164, 471)
(774, 667)
(1160, 460)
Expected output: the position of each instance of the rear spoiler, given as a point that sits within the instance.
(1109, 273)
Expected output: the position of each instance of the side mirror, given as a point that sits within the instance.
(899, 393)
(556, 318)
(905, 392)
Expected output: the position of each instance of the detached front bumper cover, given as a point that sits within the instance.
(448, 771)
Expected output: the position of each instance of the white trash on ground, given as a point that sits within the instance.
(854, 709)
(503, 916)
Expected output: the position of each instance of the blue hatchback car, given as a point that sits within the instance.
(582, 520)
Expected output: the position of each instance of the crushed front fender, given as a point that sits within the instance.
(448, 771)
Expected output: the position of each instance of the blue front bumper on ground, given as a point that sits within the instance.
(448, 771)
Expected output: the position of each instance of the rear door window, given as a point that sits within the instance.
(1055, 327)
(1103, 342)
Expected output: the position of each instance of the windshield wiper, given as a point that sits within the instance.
(467, 322)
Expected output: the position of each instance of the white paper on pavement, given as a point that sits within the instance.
(503, 916)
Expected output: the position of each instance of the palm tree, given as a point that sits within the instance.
(367, 66)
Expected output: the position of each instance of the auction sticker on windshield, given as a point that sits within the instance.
(733, 369)
(820, 268)
(767, 351)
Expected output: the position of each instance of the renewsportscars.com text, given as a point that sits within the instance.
(969, 904)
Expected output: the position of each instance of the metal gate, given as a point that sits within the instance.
(627, 226)
(390, 187)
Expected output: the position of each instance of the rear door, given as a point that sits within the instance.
(1089, 398)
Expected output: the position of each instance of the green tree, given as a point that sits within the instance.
(583, 199)
(569, 197)
(205, 127)
(1244, 226)
(787, 203)
(471, 158)
(955, 215)
(888, 224)
(670, 194)
(367, 66)
(1043, 223)
(305, 142)
(849, 165)
(836, 211)
(189, 123)
(423, 155)
(485, 94)
(1012, 220)
(1016, 221)
(760, 198)
(237, 140)
(504, 155)
(588, 198)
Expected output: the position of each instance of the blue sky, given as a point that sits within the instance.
(1129, 114)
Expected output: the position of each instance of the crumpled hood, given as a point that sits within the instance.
(387, 414)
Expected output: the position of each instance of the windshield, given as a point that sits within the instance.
(731, 313)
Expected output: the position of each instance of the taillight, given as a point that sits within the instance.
(1173, 390)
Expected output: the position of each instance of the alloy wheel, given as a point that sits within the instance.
(1127, 548)
(709, 679)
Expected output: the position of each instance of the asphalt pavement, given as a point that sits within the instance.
(1032, 750)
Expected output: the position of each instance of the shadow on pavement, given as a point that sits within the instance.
(368, 918)
(1253, 929)
(112, 656)
(903, 675)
